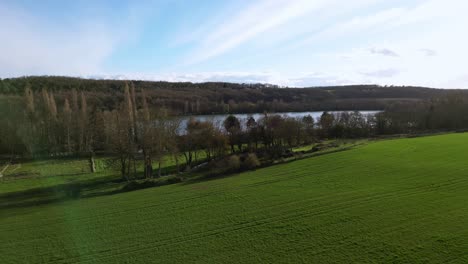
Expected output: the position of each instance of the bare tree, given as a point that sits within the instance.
(233, 128)
(67, 123)
(29, 98)
(146, 136)
(83, 123)
(120, 139)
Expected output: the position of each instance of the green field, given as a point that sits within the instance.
(393, 201)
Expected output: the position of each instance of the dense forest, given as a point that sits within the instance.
(183, 98)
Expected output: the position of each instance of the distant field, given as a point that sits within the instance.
(394, 201)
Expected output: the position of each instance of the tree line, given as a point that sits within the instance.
(137, 133)
(184, 98)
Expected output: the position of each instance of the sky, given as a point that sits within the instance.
(296, 43)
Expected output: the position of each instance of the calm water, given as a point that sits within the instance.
(219, 119)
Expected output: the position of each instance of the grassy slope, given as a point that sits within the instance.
(53, 172)
(402, 201)
(47, 173)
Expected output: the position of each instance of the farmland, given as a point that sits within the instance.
(392, 201)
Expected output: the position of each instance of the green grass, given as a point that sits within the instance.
(47, 173)
(52, 172)
(331, 145)
(394, 201)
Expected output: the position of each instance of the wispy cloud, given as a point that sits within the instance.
(297, 80)
(384, 52)
(249, 23)
(36, 46)
(351, 26)
(429, 52)
(286, 42)
(384, 73)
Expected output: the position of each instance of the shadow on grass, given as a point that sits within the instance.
(214, 175)
(35, 175)
(107, 185)
(57, 193)
(112, 184)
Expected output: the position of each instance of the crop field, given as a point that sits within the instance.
(392, 201)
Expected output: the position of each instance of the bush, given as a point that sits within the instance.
(318, 147)
(299, 155)
(175, 179)
(149, 183)
(134, 185)
(251, 161)
(233, 163)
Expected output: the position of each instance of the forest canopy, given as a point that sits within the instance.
(184, 98)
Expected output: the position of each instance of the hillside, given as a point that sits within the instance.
(217, 97)
(394, 201)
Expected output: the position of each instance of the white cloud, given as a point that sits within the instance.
(285, 42)
(429, 52)
(305, 79)
(384, 73)
(384, 52)
(460, 81)
(424, 45)
(34, 46)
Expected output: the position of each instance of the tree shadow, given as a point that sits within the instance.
(208, 175)
(109, 185)
(58, 193)
(112, 185)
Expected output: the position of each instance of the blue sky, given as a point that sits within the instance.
(287, 42)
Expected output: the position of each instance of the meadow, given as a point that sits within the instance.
(390, 201)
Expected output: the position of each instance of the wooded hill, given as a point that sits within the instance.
(220, 97)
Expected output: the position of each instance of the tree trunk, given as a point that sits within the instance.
(159, 168)
(68, 140)
(128, 167)
(150, 170)
(92, 164)
(188, 159)
(145, 165)
(148, 167)
(123, 168)
(177, 163)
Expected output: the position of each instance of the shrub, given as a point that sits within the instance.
(133, 185)
(251, 161)
(299, 155)
(175, 179)
(318, 147)
(233, 163)
(138, 185)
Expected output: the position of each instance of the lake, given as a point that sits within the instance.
(219, 119)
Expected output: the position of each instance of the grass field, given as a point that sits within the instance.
(52, 172)
(394, 201)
